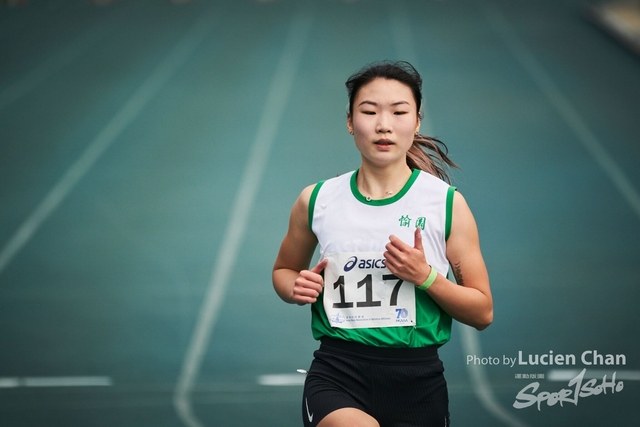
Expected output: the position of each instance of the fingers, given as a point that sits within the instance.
(391, 260)
(309, 283)
(417, 240)
(405, 261)
(396, 248)
(320, 266)
(396, 251)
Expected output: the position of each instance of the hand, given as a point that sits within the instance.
(407, 262)
(308, 284)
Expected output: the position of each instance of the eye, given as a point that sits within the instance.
(369, 113)
(399, 113)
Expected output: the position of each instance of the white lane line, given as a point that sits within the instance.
(569, 374)
(125, 116)
(279, 380)
(272, 113)
(565, 109)
(480, 380)
(10, 382)
(56, 382)
(405, 50)
(404, 46)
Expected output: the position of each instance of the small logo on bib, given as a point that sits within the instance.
(364, 264)
(401, 315)
(337, 318)
(351, 262)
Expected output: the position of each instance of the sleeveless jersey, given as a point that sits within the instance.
(361, 300)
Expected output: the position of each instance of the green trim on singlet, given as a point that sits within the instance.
(447, 224)
(312, 202)
(381, 202)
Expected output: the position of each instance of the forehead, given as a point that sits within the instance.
(385, 91)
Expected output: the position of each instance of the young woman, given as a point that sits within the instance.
(380, 298)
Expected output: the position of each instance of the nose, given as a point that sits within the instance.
(383, 124)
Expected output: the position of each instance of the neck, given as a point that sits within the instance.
(381, 183)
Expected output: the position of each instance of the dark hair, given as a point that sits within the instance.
(427, 153)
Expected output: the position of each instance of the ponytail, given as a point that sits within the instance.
(430, 155)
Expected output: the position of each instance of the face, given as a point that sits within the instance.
(384, 121)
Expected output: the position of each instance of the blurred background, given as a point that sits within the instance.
(151, 150)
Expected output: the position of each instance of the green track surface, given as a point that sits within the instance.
(112, 281)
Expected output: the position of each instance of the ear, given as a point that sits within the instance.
(349, 124)
(418, 126)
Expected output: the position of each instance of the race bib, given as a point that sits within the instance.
(361, 292)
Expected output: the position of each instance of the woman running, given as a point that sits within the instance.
(381, 302)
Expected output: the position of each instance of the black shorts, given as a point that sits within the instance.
(399, 387)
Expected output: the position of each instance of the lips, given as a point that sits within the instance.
(384, 142)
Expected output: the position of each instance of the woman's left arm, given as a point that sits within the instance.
(469, 301)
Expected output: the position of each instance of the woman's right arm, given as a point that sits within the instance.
(292, 280)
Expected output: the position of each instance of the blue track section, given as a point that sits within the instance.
(125, 133)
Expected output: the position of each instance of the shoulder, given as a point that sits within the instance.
(330, 186)
(434, 191)
(301, 205)
(322, 192)
(432, 181)
(460, 204)
(463, 224)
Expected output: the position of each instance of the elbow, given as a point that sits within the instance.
(484, 322)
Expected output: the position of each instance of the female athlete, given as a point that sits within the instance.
(389, 232)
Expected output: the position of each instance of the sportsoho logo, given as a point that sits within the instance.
(364, 264)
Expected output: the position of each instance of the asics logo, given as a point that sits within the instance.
(351, 262)
(364, 263)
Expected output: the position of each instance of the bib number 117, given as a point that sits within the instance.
(367, 282)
